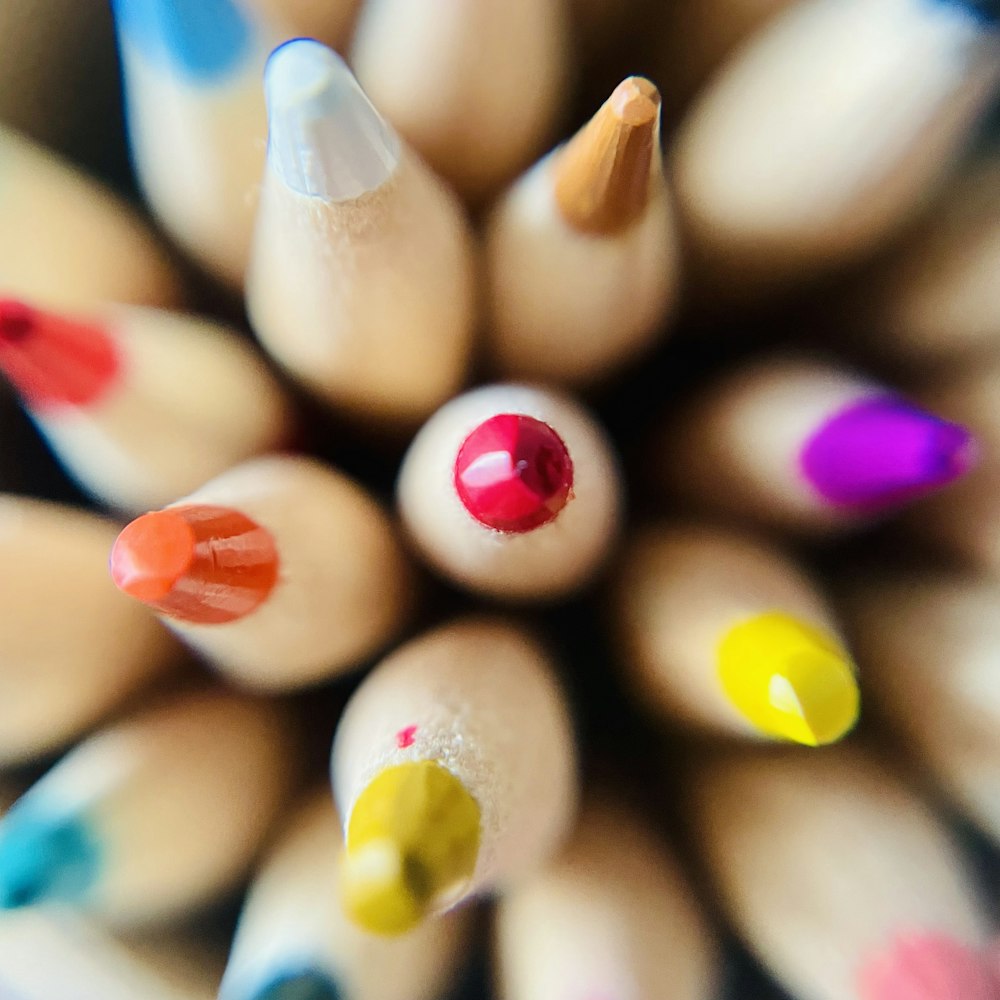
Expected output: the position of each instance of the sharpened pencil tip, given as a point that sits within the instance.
(325, 139)
(602, 176)
(44, 857)
(412, 843)
(198, 563)
(789, 679)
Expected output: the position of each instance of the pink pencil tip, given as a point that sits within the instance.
(930, 967)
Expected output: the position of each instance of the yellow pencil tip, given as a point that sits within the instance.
(789, 679)
(412, 844)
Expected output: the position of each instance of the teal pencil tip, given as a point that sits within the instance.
(44, 857)
(299, 984)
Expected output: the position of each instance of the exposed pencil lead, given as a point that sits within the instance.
(200, 563)
(326, 140)
(603, 173)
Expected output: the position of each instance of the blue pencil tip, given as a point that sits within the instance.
(300, 984)
(44, 857)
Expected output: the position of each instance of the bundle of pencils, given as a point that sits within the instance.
(519, 490)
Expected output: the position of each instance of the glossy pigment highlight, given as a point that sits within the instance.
(883, 452)
(513, 473)
(789, 679)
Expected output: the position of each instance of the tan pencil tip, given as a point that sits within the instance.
(602, 175)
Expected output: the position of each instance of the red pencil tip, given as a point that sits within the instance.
(53, 361)
(513, 473)
(929, 967)
(200, 563)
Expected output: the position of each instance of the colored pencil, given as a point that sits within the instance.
(840, 879)
(928, 647)
(512, 491)
(454, 771)
(724, 631)
(282, 572)
(580, 252)
(964, 522)
(196, 123)
(612, 916)
(451, 88)
(153, 816)
(933, 299)
(56, 953)
(86, 245)
(140, 405)
(294, 941)
(805, 445)
(71, 647)
(361, 283)
(791, 163)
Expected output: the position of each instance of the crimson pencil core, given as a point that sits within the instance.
(513, 473)
(52, 361)
(200, 563)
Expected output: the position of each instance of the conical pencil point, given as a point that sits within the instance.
(602, 176)
(789, 679)
(326, 140)
(412, 842)
(198, 563)
(44, 858)
(883, 452)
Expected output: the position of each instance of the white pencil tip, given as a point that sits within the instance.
(325, 138)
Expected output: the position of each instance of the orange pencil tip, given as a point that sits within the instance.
(200, 563)
(602, 176)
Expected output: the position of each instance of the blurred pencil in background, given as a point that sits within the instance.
(72, 648)
(612, 915)
(140, 405)
(153, 816)
(450, 86)
(78, 244)
(839, 878)
(807, 447)
(826, 131)
(56, 953)
(195, 110)
(928, 647)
